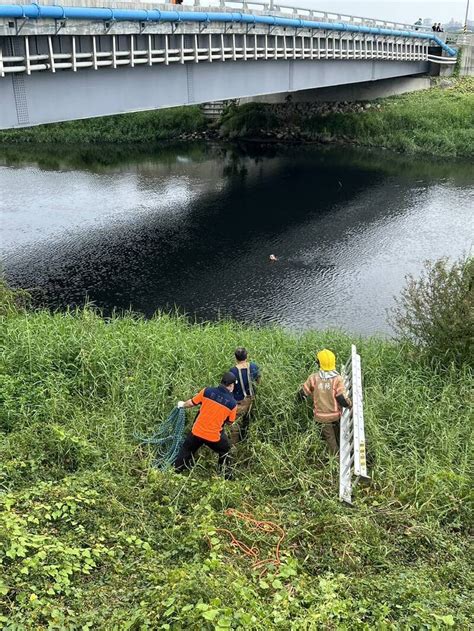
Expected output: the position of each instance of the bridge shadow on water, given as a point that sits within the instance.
(193, 226)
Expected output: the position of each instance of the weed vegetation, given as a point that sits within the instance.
(439, 121)
(92, 537)
(139, 127)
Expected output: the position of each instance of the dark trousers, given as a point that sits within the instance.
(192, 443)
(330, 432)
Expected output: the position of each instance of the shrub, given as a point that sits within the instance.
(435, 312)
(248, 120)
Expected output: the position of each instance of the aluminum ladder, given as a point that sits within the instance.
(352, 451)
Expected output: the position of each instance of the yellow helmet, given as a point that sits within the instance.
(327, 359)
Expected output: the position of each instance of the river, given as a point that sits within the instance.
(192, 228)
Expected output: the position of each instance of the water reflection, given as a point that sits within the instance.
(194, 226)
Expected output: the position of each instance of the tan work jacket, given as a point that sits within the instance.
(324, 392)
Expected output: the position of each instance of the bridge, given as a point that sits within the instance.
(69, 62)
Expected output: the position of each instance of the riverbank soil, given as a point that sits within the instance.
(92, 537)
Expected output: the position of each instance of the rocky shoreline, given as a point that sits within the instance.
(288, 119)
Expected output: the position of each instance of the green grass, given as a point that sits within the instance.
(139, 127)
(91, 537)
(438, 122)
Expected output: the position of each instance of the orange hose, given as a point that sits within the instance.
(253, 552)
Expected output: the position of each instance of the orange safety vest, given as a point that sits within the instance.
(217, 406)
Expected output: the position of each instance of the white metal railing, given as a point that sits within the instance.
(444, 61)
(148, 49)
(352, 454)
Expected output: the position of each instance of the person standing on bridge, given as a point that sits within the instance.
(418, 23)
(218, 406)
(326, 387)
(246, 374)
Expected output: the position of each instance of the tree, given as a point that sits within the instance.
(436, 311)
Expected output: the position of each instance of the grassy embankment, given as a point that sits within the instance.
(436, 121)
(91, 537)
(139, 127)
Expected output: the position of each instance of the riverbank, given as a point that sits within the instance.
(174, 124)
(91, 537)
(438, 122)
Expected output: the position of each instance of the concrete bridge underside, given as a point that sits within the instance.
(44, 98)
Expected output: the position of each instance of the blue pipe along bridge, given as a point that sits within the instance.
(60, 62)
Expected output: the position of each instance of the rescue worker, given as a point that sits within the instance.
(327, 389)
(246, 375)
(218, 406)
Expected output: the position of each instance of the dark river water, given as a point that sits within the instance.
(194, 226)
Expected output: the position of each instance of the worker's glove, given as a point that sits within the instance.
(180, 404)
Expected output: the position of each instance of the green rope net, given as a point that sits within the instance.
(167, 440)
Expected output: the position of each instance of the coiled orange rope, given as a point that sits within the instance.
(253, 552)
